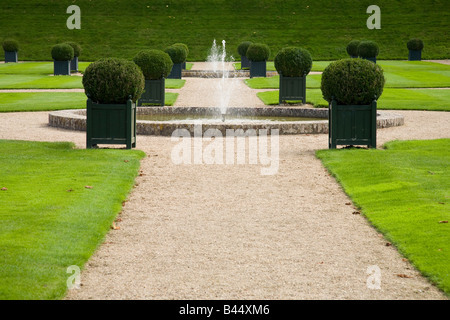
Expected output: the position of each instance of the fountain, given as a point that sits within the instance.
(165, 120)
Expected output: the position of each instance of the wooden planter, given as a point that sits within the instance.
(110, 124)
(176, 71)
(11, 56)
(258, 69)
(245, 63)
(352, 124)
(373, 59)
(415, 55)
(154, 92)
(74, 64)
(61, 68)
(292, 88)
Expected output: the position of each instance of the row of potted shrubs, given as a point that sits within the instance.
(369, 49)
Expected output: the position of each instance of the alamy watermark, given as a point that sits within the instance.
(374, 21)
(374, 280)
(74, 21)
(73, 281)
(251, 146)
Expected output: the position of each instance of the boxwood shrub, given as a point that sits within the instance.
(415, 44)
(177, 54)
(10, 45)
(258, 52)
(185, 48)
(368, 49)
(76, 48)
(243, 47)
(352, 81)
(62, 52)
(352, 48)
(293, 62)
(155, 64)
(113, 81)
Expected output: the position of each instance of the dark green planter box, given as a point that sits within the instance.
(184, 65)
(258, 69)
(176, 71)
(415, 55)
(354, 57)
(110, 124)
(373, 59)
(352, 125)
(245, 63)
(74, 64)
(61, 68)
(154, 92)
(11, 56)
(292, 88)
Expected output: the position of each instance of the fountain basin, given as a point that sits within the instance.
(75, 119)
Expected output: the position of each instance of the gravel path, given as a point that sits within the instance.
(228, 232)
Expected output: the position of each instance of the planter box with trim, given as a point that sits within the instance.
(352, 124)
(11, 56)
(74, 64)
(176, 72)
(154, 92)
(245, 63)
(258, 69)
(373, 59)
(292, 88)
(415, 55)
(61, 68)
(111, 124)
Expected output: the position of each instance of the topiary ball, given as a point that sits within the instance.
(184, 46)
(10, 45)
(293, 62)
(113, 81)
(415, 44)
(176, 53)
(352, 48)
(76, 48)
(155, 64)
(258, 52)
(352, 82)
(368, 49)
(62, 52)
(243, 47)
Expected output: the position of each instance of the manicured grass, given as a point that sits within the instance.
(119, 28)
(404, 192)
(58, 203)
(50, 101)
(398, 74)
(317, 65)
(35, 81)
(391, 99)
(41, 101)
(41, 68)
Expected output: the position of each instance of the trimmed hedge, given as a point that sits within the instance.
(352, 48)
(243, 47)
(258, 52)
(415, 44)
(10, 45)
(155, 64)
(368, 49)
(352, 81)
(113, 81)
(76, 48)
(184, 46)
(177, 53)
(293, 62)
(62, 52)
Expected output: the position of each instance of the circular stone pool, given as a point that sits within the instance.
(165, 120)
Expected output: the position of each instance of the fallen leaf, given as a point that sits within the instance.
(356, 212)
(405, 260)
(443, 221)
(401, 275)
(126, 160)
(388, 244)
(441, 202)
(89, 187)
(430, 172)
(348, 203)
(4, 189)
(70, 190)
(114, 227)
(118, 220)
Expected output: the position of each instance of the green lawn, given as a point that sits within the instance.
(391, 99)
(119, 28)
(50, 220)
(50, 101)
(37, 68)
(404, 192)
